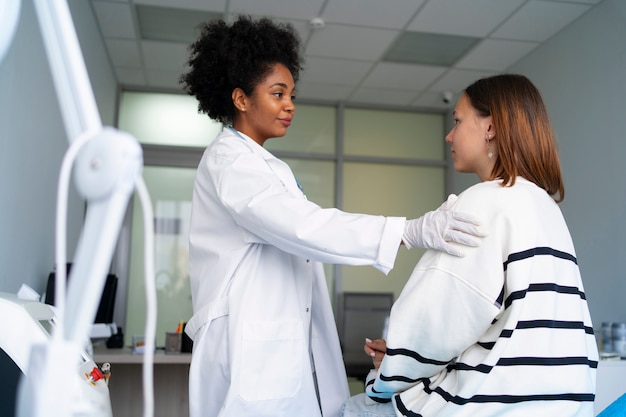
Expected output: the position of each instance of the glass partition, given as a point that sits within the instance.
(170, 192)
(313, 130)
(166, 119)
(378, 162)
(389, 190)
(394, 134)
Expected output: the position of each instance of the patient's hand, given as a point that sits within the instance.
(375, 349)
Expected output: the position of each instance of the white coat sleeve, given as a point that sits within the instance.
(261, 203)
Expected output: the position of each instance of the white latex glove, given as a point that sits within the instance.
(436, 229)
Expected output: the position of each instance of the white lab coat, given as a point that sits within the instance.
(262, 314)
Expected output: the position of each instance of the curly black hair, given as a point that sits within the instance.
(240, 55)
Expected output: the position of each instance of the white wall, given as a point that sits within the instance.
(580, 73)
(32, 144)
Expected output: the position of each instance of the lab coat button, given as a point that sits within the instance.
(307, 309)
(308, 260)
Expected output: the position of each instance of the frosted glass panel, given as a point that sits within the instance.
(170, 190)
(317, 178)
(373, 188)
(394, 134)
(166, 119)
(313, 130)
(389, 190)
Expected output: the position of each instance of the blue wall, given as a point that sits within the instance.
(580, 73)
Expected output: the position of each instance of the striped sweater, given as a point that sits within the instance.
(503, 331)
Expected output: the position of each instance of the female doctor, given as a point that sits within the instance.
(265, 342)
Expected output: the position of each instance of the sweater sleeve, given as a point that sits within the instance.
(437, 317)
(446, 306)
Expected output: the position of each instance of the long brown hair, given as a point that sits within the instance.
(525, 141)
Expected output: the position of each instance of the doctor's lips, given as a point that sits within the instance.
(285, 122)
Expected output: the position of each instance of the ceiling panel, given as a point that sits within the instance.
(495, 55)
(375, 13)
(431, 100)
(323, 92)
(403, 76)
(456, 80)
(173, 25)
(539, 20)
(290, 9)
(204, 5)
(334, 71)
(124, 53)
(462, 17)
(428, 48)
(130, 76)
(115, 19)
(147, 42)
(384, 96)
(350, 42)
(580, 1)
(168, 79)
(164, 56)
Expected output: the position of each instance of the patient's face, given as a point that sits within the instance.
(468, 139)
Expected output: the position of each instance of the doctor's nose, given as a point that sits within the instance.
(290, 106)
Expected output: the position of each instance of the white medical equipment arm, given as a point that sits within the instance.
(107, 169)
(78, 105)
(106, 172)
(9, 14)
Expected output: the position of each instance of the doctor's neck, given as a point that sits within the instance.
(258, 132)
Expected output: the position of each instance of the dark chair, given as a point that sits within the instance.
(362, 315)
(107, 300)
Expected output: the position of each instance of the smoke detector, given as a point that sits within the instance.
(317, 23)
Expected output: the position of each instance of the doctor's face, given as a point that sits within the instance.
(468, 140)
(269, 110)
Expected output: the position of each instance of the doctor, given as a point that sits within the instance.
(265, 342)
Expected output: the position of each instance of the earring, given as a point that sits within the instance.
(489, 151)
(243, 109)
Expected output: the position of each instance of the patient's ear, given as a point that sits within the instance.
(489, 127)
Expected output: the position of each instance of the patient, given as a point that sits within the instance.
(506, 329)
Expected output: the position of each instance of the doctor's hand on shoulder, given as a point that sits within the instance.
(440, 228)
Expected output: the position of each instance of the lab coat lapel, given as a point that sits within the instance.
(280, 169)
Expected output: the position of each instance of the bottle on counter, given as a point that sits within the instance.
(607, 337)
(619, 338)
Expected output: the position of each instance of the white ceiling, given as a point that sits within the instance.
(345, 59)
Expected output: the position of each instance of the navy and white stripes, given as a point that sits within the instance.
(503, 331)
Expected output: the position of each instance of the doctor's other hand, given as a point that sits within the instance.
(437, 229)
(375, 349)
